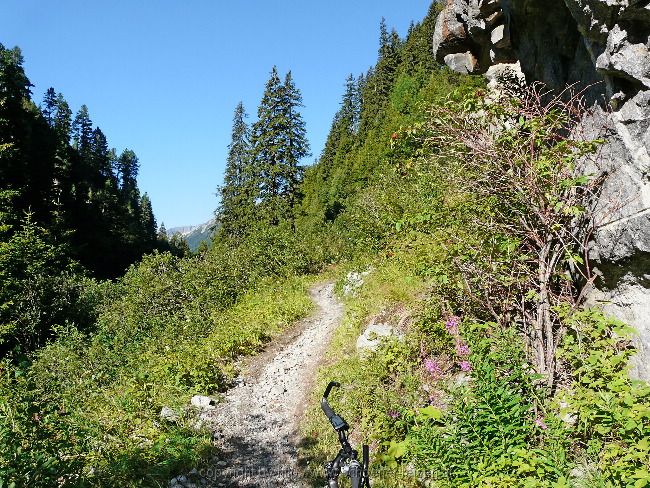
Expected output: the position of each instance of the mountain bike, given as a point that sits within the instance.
(346, 461)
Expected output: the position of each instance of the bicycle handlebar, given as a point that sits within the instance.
(346, 461)
(337, 421)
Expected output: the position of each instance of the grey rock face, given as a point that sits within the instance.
(625, 58)
(602, 46)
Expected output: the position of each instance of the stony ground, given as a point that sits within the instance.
(257, 424)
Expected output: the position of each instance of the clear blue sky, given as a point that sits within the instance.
(163, 77)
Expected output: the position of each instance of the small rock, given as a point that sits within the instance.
(201, 401)
(355, 280)
(169, 415)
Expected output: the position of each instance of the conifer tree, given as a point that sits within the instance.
(162, 231)
(265, 144)
(82, 131)
(63, 120)
(14, 127)
(278, 144)
(48, 107)
(296, 146)
(148, 222)
(235, 212)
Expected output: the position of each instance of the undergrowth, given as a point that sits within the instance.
(84, 411)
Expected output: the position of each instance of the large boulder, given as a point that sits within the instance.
(603, 47)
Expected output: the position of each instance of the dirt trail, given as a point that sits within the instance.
(257, 424)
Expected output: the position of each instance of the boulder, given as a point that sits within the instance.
(372, 337)
(462, 62)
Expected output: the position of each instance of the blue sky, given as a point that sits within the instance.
(163, 77)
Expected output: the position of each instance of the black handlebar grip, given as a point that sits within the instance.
(337, 421)
(325, 406)
(331, 385)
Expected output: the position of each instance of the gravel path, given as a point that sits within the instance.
(257, 424)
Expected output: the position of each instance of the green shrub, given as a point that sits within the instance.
(610, 412)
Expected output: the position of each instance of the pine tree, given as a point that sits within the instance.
(82, 131)
(278, 144)
(162, 232)
(128, 167)
(48, 107)
(63, 120)
(265, 144)
(148, 222)
(14, 126)
(295, 141)
(379, 81)
(235, 212)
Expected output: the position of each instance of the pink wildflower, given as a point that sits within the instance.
(393, 414)
(465, 366)
(462, 349)
(433, 367)
(452, 325)
(539, 422)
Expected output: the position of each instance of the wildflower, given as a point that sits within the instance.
(465, 366)
(539, 422)
(462, 349)
(433, 367)
(452, 325)
(393, 414)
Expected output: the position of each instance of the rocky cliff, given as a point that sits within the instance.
(602, 46)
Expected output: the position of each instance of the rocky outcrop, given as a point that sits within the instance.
(603, 47)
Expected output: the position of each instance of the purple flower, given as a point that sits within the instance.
(462, 349)
(393, 414)
(452, 325)
(539, 422)
(433, 367)
(465, 366)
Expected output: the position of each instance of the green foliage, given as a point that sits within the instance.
(440, 207)
(40, 288)
(84, 411)
(609, 411)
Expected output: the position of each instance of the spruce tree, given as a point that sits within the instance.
(48, 107)
(296, 146)
(278, 144)
(148, 222)
(82, 131)
(63, 120)
(237, 205)
(265, 144)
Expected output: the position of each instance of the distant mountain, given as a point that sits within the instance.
(196, 234)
